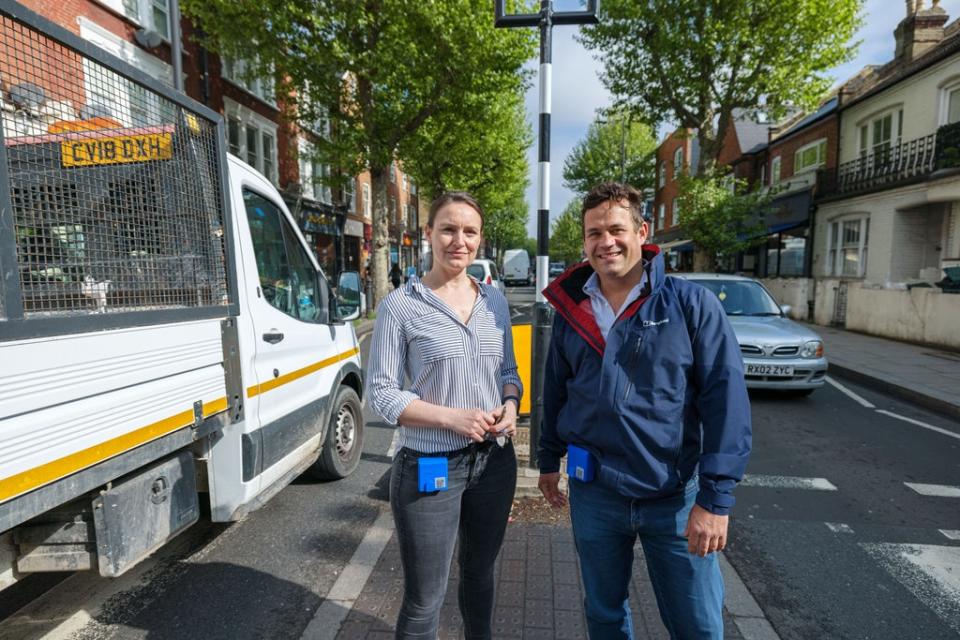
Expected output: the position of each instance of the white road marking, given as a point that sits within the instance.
(950, 534)
(393, 443)
(345, 591)
(930, 572)
(920, 424)
(844, 390)
(787, 482)
(839, 527)
(935, 490)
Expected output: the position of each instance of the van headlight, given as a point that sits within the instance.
(812, 349)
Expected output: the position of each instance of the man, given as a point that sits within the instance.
(644, 373)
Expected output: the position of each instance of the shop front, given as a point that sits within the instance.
(785, 250)
(324, 231)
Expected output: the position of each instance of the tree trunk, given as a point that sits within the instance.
(380, 260)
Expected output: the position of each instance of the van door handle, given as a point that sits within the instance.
(273, 338)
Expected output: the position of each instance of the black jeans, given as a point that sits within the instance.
(481, 479)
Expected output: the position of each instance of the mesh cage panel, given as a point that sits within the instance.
(117, 203)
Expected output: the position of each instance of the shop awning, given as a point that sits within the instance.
(677, 245)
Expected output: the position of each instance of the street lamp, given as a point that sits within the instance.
(541, 318)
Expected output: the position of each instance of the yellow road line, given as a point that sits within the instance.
(257, 389)
(34, 478)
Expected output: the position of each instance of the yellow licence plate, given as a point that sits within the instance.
(117, 150)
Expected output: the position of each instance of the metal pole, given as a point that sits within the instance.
(175, 54)
(542, 316)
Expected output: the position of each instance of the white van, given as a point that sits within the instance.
(516, 267)
(167, 336)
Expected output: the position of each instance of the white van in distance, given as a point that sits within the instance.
(516, 267)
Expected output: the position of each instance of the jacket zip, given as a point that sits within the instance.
(633, 358)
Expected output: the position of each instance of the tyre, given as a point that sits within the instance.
(343, 443)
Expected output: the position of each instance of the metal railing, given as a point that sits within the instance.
(907, 162)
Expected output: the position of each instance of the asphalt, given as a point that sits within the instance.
(539, 598)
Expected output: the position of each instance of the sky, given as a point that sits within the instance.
(578, 92)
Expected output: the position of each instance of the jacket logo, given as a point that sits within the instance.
(655, 323)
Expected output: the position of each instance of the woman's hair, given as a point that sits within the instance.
(451, 197)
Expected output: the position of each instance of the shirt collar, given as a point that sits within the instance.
(592, 286)
(415, 284)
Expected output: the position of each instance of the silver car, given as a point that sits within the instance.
(778, 353)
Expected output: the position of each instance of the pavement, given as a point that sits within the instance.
(538, 584)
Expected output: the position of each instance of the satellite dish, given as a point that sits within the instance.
(147, 38)
(27, 95)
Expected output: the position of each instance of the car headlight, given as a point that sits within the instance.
(812, 349)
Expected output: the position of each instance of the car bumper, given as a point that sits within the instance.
(807, 373)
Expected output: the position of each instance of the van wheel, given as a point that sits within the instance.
(344, 441)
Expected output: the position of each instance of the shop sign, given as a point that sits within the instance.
(353, 228)
(317, 222)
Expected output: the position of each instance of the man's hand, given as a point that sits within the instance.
(550, 488)
(706, 532)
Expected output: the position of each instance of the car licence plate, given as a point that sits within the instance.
(773, 370)
(117, 149)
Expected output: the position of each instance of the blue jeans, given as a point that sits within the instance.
(689, 589)
(481, 479)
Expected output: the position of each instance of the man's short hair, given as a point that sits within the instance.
(614, 192)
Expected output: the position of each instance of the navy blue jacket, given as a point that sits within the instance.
(662, 394)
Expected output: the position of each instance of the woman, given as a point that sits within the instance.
(450, 337)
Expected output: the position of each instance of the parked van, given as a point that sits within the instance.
(166, 334)
(516, 267)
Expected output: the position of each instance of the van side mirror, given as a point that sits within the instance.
(349, 296)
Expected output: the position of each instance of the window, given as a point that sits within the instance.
(775, 170)
(677, 162)
(411, 216)
(662, 178)
(367, 202)
(661, 216)
(393, 172)
(881, 133)
(847, 242)
(113, 95)
(252, 138)
(394, 210)
(413, 188)
(314, 175)
(810, 157)
(950, 103)
(350, 194)
(676, 211)
(239, 73)
(151, 14)
(403, 178)
(288, 281)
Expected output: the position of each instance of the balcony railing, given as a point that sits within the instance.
(911, 161)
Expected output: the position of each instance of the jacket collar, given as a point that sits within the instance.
(573, 304)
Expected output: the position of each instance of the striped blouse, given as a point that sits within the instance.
(419, 340)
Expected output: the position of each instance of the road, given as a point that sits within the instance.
(834, 533)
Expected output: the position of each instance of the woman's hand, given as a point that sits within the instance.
(506, 416)
(472, 423)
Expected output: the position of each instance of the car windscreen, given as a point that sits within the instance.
(476, 270)
(742, 297)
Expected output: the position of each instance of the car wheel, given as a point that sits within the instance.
(344, 440)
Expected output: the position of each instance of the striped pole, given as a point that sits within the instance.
(542, 317)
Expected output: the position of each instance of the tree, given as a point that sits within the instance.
(484, 154)
(379, 69)
(530, 244)
(618, 149)
(720, 217)
(695, 62)
(566, 237)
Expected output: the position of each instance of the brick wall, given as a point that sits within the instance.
(787, 147)
(665, 195)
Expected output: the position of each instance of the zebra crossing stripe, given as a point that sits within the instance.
(838, 527)
(787, 482)
(935, 490)
(930, 572)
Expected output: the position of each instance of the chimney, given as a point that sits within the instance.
(920, 31)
